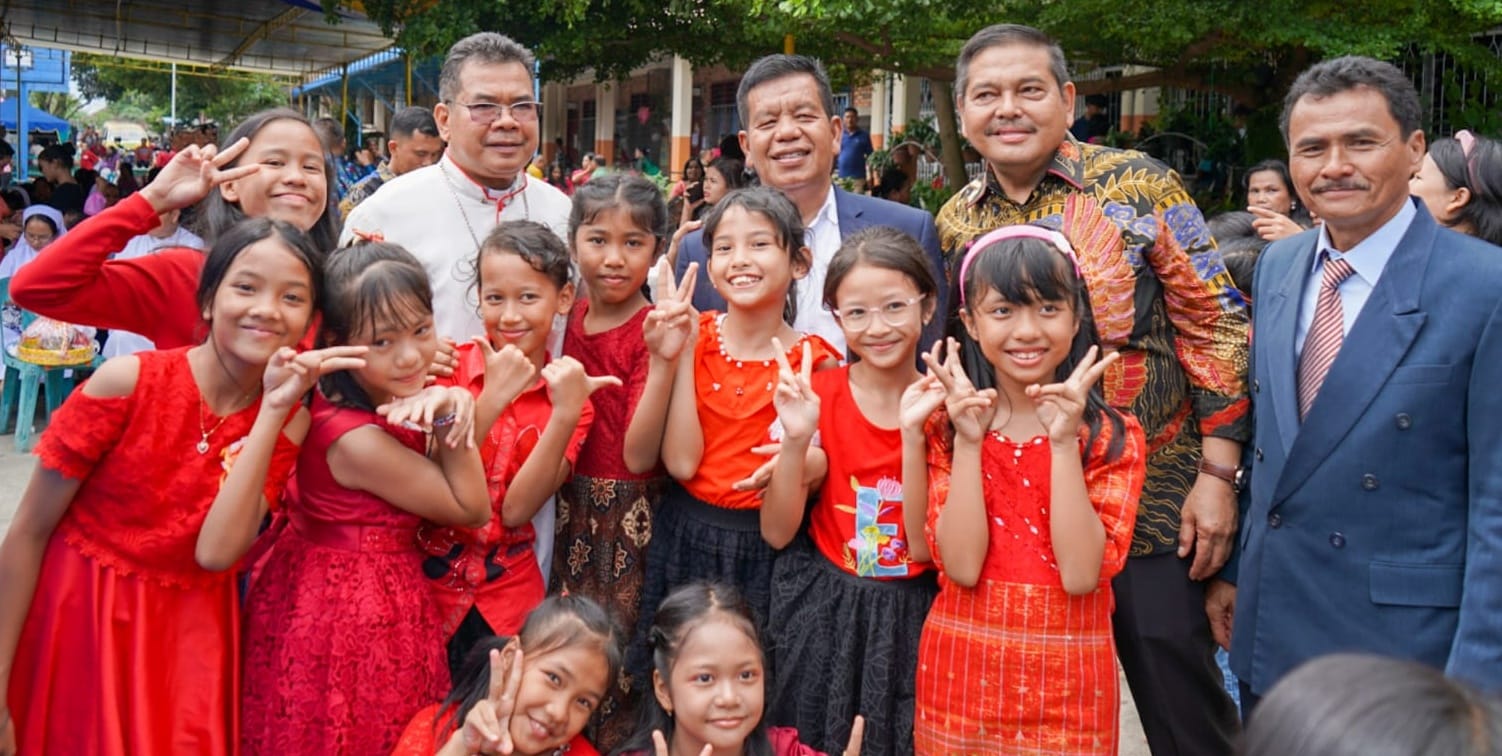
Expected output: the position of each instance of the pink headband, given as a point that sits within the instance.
(1467, 142)
(1019, 231)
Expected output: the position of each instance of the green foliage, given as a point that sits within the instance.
(61, 104)
(143, 91)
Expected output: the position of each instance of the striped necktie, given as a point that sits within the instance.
(1325, 334)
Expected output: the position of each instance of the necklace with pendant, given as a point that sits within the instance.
(203, 405)
(203, 435)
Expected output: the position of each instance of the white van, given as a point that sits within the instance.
(127, 133)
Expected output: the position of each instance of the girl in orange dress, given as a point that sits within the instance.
(710, 386)
(116, 634)
(1017, 655)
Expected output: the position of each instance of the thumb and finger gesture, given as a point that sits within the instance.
(290, 374)
(507, 370)
(194, 172)
(487, 728)
(797, 404)
(568, 382)
(660, 745)
(670, 324)
(857, 737)
(1061, 406)
(970, 410)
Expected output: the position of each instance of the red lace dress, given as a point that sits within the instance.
(1015, 665)
(605, 511)
(129, 646)
(342, 638)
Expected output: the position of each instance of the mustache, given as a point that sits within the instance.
(1335, 186)
(1009, 124)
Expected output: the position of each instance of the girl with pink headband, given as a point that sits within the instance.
(1034, 518)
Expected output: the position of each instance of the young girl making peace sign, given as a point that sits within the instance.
(1017, 651)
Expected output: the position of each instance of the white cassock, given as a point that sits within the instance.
(440, 215)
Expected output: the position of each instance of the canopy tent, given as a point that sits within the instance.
(36, 119)
(286, 37)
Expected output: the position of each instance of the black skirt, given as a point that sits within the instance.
(844, 645)
(692, 540)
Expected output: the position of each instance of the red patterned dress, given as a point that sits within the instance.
(129, 646)
(605, 511)
(343, 641)
(1015, 665)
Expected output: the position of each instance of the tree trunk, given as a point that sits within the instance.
(949, 134)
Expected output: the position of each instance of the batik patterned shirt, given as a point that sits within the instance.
(365, 187)
(1161, 297)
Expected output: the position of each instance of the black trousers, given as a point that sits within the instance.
(1163, 640)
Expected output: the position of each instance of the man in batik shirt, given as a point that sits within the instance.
(1162, 298)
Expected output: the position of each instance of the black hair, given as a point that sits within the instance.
(1025, 271)
(85, 177)
(893, 180)
(1297, 213)
(369, 283)
(330, 134)
(61, 154)
(6, 150)
(485, 48)
(882, 247)
(684, 610)
(1344, 74)
(782, 214)
(730, 169)
(1367, 705)
(779, 66)
(14, 199)
(692, 161)
(413, 120)
(1481, 174)
(215, 213)
(559, 622)
(1001, 35)
(1239, 244)
(639, 197)
(239, 237)
(531, 241)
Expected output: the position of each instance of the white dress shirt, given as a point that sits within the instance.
(823, 239)
(1367, 259)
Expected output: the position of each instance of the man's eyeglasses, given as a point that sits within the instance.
(895, 313)
(37, 241)
(485, 113)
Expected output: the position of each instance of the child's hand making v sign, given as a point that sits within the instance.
(971, 411)
(669, 329)
(1061, 406)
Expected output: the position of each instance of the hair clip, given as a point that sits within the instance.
(1018, 231)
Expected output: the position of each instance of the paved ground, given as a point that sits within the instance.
(15, 470)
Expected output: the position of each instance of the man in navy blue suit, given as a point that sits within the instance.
(791, 136)
(1375, 521)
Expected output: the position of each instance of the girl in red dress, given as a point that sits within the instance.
(849, 597)
(531, 418)
(271, 166)
(719, 405)
(114, 639)
(709, 682)
(605, 510)
(342, 640)
(1017, 655)
(535, 691)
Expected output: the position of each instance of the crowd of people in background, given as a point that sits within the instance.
(431, 446)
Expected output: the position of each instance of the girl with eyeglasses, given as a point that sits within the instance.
(850, 593)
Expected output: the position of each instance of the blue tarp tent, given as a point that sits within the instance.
(36, 120)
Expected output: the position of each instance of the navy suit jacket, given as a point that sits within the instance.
(854, 212)
(1376, 524)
